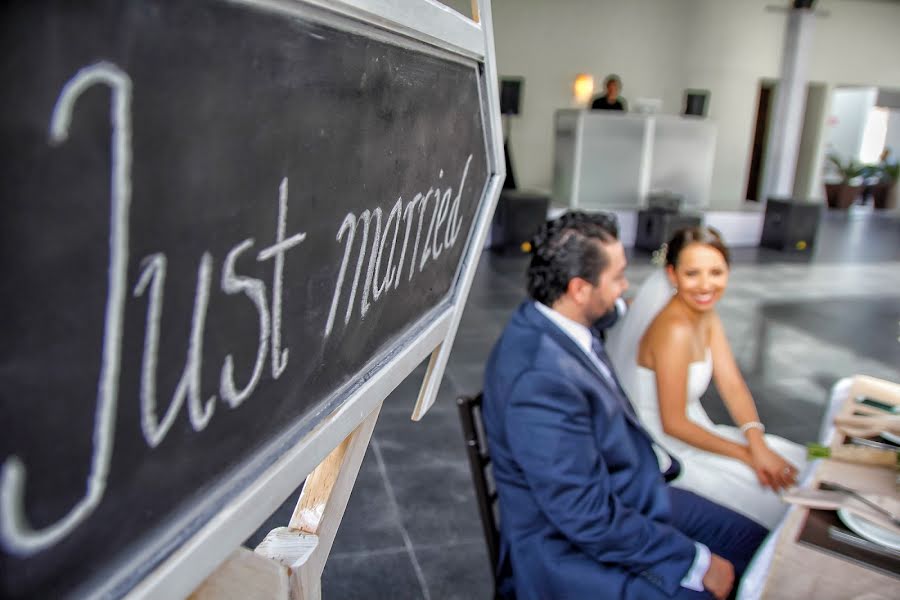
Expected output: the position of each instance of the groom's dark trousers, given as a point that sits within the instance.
(584, 510)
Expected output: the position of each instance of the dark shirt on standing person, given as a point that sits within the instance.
(601, 103)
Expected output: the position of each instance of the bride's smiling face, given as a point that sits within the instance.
(700, 276)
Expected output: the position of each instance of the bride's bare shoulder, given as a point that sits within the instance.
(669, 329)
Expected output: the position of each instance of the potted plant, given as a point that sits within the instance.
(844, 193)
(885, 193)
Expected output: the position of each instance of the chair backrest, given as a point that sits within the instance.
(482, 476)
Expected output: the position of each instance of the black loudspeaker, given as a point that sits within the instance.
(518, 216)
(656, 227)
(510, 95)
(790, 225)
(695, 102)
(666, 202)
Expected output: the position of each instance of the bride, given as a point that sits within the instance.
(666, 350)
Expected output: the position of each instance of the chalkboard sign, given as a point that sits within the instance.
(216, 220)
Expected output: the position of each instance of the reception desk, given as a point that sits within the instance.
(611, 160)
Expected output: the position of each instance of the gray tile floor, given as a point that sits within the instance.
(797, 324)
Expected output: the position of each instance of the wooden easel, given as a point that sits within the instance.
(288, 564)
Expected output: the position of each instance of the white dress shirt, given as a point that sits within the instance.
(582, 337)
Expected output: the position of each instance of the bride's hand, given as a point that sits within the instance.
(771, 469)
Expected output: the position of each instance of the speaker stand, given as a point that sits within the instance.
(510, 182)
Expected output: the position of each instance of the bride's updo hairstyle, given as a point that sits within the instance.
(695, 235)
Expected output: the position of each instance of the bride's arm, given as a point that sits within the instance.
(730, 382)
(772, 469)
(671, 360)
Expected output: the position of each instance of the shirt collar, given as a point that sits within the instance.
(580, 334)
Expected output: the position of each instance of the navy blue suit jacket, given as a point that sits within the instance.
(583, 506)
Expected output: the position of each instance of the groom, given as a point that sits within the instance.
(584, 510)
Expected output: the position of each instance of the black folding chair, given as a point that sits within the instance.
(482, 477)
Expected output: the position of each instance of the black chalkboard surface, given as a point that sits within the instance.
(214, 219)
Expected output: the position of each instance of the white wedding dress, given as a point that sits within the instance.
(724, 480)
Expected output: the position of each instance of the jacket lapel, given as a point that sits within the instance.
(613, 387)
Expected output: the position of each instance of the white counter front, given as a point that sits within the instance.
(607, 159)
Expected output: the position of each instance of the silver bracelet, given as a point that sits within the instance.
(752, 425)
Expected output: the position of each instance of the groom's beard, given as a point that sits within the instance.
(607, 320)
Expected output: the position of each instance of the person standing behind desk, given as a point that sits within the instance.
(612, 100)
(584, 509)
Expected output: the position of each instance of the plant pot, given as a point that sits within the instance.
(841, 195)
(884, 196)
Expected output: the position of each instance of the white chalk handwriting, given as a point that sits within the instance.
(443, 215)
(375, 267)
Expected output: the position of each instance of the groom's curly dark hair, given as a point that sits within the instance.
(565, 248)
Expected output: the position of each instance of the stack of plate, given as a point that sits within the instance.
(870, 531)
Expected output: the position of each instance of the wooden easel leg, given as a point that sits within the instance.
(288, 564)
(246, 575)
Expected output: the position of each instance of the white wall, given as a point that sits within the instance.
(892, 140)
(463, 7)
(550, 42)
(811, 154)
(662, 47)
(850, 109)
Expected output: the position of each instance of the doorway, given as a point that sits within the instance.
(760, 138)
(807, 173)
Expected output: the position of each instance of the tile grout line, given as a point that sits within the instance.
(392, 498)
(367, 553)
(399, 549)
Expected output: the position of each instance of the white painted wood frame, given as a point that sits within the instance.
(215, 548)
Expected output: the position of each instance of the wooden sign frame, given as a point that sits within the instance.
(289, 563)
